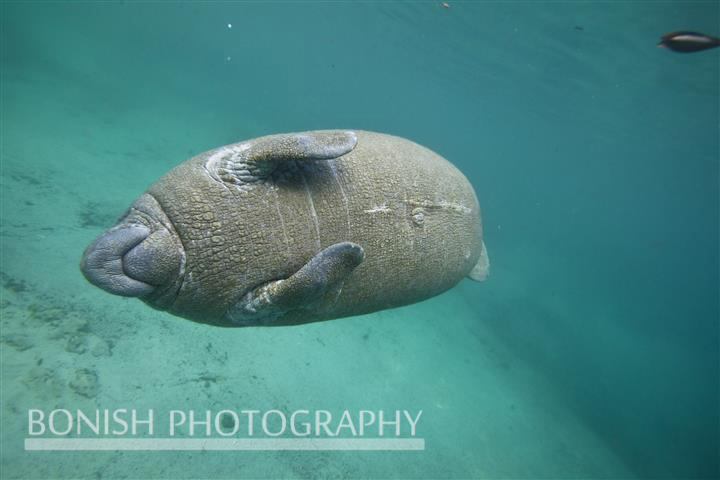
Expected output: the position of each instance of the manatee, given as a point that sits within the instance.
(295, 228)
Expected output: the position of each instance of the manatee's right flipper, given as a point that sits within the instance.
(253, 161)
(318, 281)
(482, 268)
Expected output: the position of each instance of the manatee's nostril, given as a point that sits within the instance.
(102, 262)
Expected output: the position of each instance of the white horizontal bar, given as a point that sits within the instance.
(224, 444)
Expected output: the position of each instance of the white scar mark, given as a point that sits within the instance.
(226, 154)
(442, 204)
(342, 192)
(380, 209)
(214, 177)
(455, 206)
(408, 229)
(313, 213)
(233, 151)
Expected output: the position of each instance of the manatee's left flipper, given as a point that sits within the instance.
(245, 163)
(319, 280)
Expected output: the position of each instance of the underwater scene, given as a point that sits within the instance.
(398, 240)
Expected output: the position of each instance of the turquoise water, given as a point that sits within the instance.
(590, 352)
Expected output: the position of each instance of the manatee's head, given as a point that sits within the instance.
(141, 256)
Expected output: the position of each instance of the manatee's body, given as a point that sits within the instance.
(295, 228)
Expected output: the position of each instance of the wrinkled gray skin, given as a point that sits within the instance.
(295, 228)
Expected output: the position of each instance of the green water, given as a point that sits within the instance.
(590, 352)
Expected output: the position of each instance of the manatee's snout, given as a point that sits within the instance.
(131, 260)
(103, 261)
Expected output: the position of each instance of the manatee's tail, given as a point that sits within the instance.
(482, 268)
